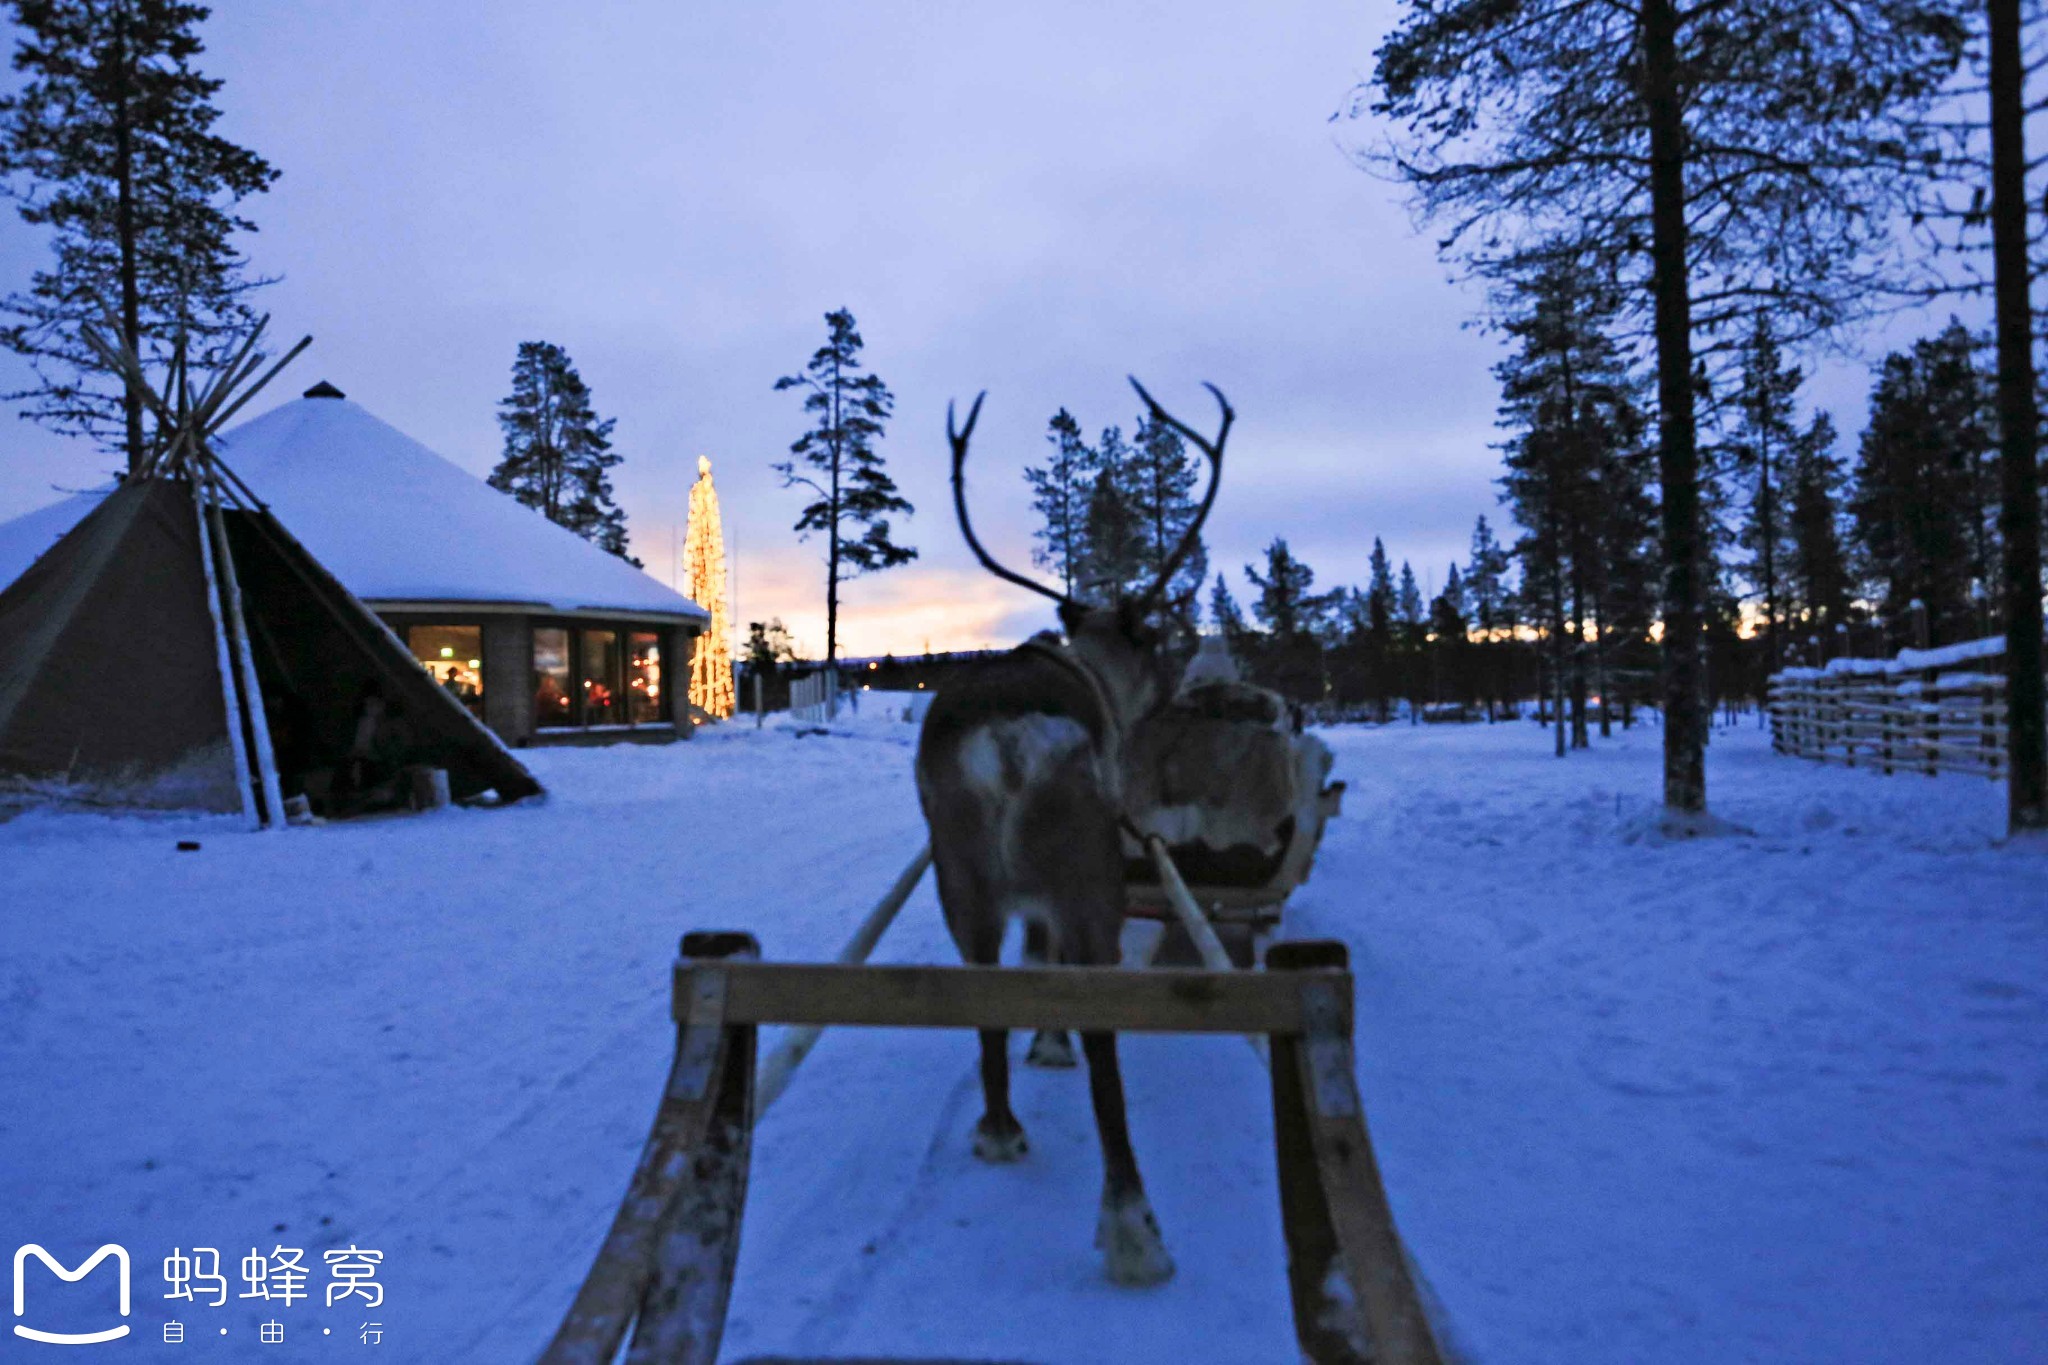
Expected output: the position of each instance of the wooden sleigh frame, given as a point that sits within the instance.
(1256, 906)
(665, 1271)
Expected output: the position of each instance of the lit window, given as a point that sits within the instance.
(600, 678)
(643, 678)
(552, 704)
(453, 657)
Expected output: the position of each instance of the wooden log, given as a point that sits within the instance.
(1200, 932)
(682, 1310)
(611, 1295)
(1931, 738)
(1992, 745)
(245, 659)
(1115, 999)
(1207, 946)
(1354, 1297)
(231, 704)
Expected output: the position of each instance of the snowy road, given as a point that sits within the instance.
(1779, 1098)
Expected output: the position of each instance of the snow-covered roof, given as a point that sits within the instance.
(23, 540)
(395, 522)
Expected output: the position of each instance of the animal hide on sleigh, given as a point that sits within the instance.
(1223, 774)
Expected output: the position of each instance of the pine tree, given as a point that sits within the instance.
(1225, 614)
(1448, 645)
(1379, 629)
(558, 453)
(1817, 573)
(852, 488)
(1486, 587)
(2019, 416)
(1488, 597)
(1059, 495)
(1285, 606)
(1623, 575)
(1379, 592)
(1408, 599)
(1410, 628)
(1708, 158)
(1114, 531)
(1759, 445)
(1568, 404)
(1164, 478)
(1290, 657)
(1920, 521)
(110, 146)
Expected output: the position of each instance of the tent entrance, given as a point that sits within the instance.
(351, 714)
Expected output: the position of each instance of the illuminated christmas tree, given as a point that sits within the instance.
(704, 584)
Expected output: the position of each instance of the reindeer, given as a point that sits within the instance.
(1019, 771)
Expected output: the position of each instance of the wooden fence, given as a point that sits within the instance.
(1926, 711)
(815, 697)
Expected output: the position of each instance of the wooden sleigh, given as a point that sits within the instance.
(661, 1283)
(664, 1275)
(1255, 900)
(1241, 848)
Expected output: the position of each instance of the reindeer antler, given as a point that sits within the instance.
(1215, 454)
(958, 440)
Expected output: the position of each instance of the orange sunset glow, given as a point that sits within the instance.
(905, 611)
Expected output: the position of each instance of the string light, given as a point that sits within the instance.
(711, 687)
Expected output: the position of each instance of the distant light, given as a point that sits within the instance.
(447, 653)
(874, 666)
(476, 663)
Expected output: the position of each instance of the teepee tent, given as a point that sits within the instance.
(178, 649)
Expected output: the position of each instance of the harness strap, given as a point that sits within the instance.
(1112, 724)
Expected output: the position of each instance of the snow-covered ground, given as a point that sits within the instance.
(1770, 1097)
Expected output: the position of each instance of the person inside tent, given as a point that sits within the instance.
(372, 774)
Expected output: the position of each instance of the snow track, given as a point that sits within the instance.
(1774, 1097)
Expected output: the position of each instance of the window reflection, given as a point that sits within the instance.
(552, 700)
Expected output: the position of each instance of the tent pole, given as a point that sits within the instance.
(215, 423)
(252, 688)
(230, 702)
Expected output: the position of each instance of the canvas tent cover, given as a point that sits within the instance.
(110, 682)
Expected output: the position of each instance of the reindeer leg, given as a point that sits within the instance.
(976, 923)
(1127, 1233)
(998, 1138)
(1050, 1047)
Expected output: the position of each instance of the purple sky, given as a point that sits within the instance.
(1035, 200)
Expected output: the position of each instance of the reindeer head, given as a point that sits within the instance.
(1116, 640)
